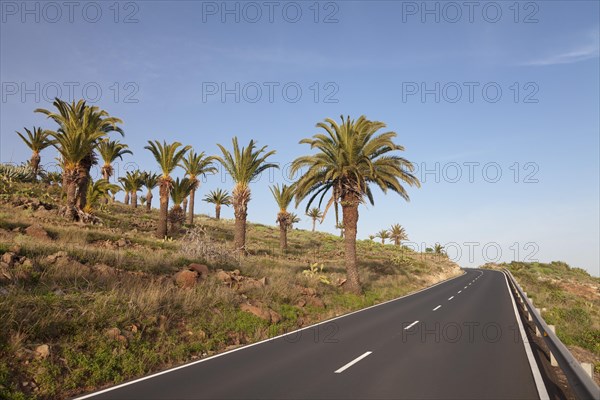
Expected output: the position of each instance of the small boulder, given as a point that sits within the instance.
(257, 311)
(315, 302)
(36, 231)
(275, 317)
(42, 352)
(201, 269)
(186, 278)
(123, 242)
(223, 276)
(9, 258)
(113, 333)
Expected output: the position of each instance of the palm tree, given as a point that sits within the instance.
(243, 165)
(219, 198)
(283, 197)
(37, 140)
(180, 189)
(109, 151)
(150, 180)
(350, 157)
(438, 249)
(96, 192)
(315, 214)
(168, 157)
(127, 188)
(383, 234)
(196, 166)
(294, 219)
(132, 183)
(80, 128)
(397, 234)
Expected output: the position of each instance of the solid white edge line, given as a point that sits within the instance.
(437, 308)
(411, 325)
(535, 371)
(90, 395)
(351, 363)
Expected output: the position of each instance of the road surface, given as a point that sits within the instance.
(456, 340)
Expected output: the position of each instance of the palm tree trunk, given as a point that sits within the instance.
(382, 241)
(35, 163)
(126, 199)
(149, 201)
(184, 208)
(134, 199)
(397, 242)
(350, 218)
(218, 211)
(282, 232)
(70, 183)
(161, 232)
(314, 224)
(190, 217)
(241, 196)
(84, 180)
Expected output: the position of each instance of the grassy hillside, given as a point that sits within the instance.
(84, 306)
(571, 299)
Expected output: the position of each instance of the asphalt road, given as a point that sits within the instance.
(465, 345)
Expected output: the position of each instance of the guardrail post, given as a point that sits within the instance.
(553, 361)
(537, 331)
(588, 368)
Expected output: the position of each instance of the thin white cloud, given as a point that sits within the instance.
(577, 53)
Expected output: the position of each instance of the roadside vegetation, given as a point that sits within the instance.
(569, 298)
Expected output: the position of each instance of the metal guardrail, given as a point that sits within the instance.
(582, 385)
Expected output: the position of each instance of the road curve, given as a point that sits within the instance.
(459, 339)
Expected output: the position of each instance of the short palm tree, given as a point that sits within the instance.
(383, 234)
(397, 234)
(37, 140)
(133, 181)
(150, 181)
(97, 192)
(243, 165)
(109, 151)
(294, 219)
(196, 165)
(283, 197)
(80, 128)
(315, 214)
(168, 157)
(350, 157)
(219, 198)
(438, 249)
(126, 186)
(340, 226)
(180, 189)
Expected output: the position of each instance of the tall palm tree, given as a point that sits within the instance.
(315, 214)
(383, 234)
(243, 165)
(180, 189)
(150, 180)
(283, 197)
(109, 151)
(37, 140)
(80, 128)
(219, 198)
(168, 157)
(397, 234)
(196, 165)
(350, 157)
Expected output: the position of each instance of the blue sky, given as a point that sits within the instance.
(497, 89)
